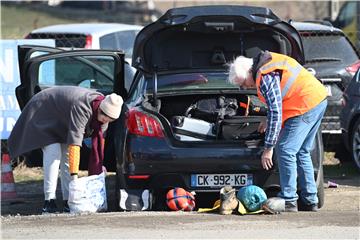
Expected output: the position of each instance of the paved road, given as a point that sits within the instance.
(170, 225)
(338, 219)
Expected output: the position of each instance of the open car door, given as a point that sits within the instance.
(44, 67)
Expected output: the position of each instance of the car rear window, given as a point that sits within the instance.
(62, 40)
(192, 82)
(325, 48)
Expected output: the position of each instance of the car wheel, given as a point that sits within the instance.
(355, 143)
(317, 157)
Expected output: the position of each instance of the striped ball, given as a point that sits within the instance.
(178, 199)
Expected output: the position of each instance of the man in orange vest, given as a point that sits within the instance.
(296, 103)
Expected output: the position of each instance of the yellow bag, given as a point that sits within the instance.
(241, 209)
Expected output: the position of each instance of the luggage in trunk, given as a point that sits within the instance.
(215, 118)
(240, 128)
(191, 129)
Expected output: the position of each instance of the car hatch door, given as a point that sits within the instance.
(43, 67)
(25, 52)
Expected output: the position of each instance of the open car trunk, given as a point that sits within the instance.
(223, 118)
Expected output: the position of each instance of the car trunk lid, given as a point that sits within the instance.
(208, 37)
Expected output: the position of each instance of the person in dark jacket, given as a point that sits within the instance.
(56, 120)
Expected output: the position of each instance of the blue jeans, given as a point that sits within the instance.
(293, 149)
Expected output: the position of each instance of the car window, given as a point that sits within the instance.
(126, 41)
(109, 42)
(123, 40)
(90, 72)
(325, 48)
(129, 74)
(192, 81)
(138, 88)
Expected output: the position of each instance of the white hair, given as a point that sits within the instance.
(239, 70)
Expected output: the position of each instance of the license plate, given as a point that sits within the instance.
(220, 180)
(328, 89)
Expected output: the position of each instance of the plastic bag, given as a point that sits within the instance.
(88, 194)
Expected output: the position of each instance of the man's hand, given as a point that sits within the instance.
(266, 158)
(74, 177)
(262, 126)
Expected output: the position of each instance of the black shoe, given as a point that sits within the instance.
(49, 206)
(66, 208)
(291, 207)
(308, 208)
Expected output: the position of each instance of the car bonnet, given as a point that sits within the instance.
(209, 37)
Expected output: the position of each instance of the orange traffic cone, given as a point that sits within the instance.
(8, 191)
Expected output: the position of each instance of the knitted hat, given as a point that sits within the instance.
(111, 105)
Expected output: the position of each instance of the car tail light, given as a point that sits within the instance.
(88, 41)
(143, 124)
(353, 68)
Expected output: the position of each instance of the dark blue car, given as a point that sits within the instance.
(182, 124)
(350, 118)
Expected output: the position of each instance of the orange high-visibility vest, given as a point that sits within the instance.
(300, 90)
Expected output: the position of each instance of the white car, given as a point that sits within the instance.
(91, 36)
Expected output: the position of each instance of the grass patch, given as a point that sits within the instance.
(17, 21)
(22, 173)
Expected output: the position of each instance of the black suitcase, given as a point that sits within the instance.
(240, 128)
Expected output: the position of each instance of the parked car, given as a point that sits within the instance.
(350, 118)
(331, 57)
(348, 20)
(90, 36)
(168, 134)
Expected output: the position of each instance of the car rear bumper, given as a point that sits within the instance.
(164, 165)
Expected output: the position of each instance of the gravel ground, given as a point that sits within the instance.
(338, 219)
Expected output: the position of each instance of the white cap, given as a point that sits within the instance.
(111, 105)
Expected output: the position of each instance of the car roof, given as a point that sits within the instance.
(314, 26)
(87, 28)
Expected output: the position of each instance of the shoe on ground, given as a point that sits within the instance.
(291, 207)
(308, 208)
(66, 208)
(228, 200)
(49, 207)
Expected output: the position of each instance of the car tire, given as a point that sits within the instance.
(320, 187)
(317, 158)
(355, 143)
